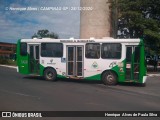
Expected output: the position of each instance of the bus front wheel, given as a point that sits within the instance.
(50, 74)
(109, 78)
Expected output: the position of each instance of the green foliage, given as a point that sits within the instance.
(142, 18)
(45, 34)
(5, 61)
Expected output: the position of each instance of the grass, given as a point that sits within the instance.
(7, 62)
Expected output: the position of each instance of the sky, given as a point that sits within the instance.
(22, 18)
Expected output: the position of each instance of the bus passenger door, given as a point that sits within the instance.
(34, 59)
(75, 61)
(132, 62)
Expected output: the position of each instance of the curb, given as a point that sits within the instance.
(153, 75)
(15, 67)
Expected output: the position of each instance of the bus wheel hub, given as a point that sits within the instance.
(50, 75)
(110, 78)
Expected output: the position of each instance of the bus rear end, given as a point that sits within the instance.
(22, 58)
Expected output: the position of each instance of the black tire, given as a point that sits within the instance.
(109, 78)
(50, 74)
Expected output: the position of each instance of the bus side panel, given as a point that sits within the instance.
(55, 63)
(22, 61)
(120, 71)
(23, 65)
(92, 69)
(42, 70)
(94, 77)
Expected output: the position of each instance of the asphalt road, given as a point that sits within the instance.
(26, 93)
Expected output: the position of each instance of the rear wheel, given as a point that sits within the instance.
(50, 74)
(109, 78)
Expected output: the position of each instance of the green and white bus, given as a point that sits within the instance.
(110, 60)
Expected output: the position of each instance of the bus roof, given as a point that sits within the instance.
(72, 40)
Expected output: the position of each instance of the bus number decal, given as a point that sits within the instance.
(24, 62)
(51, 62)
(112, 64)
(63, 60)
(95, 65)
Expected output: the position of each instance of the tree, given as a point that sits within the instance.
(45, 34)
(139, 18)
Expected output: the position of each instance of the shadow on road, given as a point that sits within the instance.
(82, 81)
(131, 84)
(64, 80)
(34, 78)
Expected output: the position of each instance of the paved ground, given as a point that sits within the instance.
(152, 72)
(23, 93)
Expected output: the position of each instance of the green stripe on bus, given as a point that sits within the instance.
(94, 77)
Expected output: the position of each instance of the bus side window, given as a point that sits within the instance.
(23, 49)
(92, 50)
(51, 49)
(111, 51)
